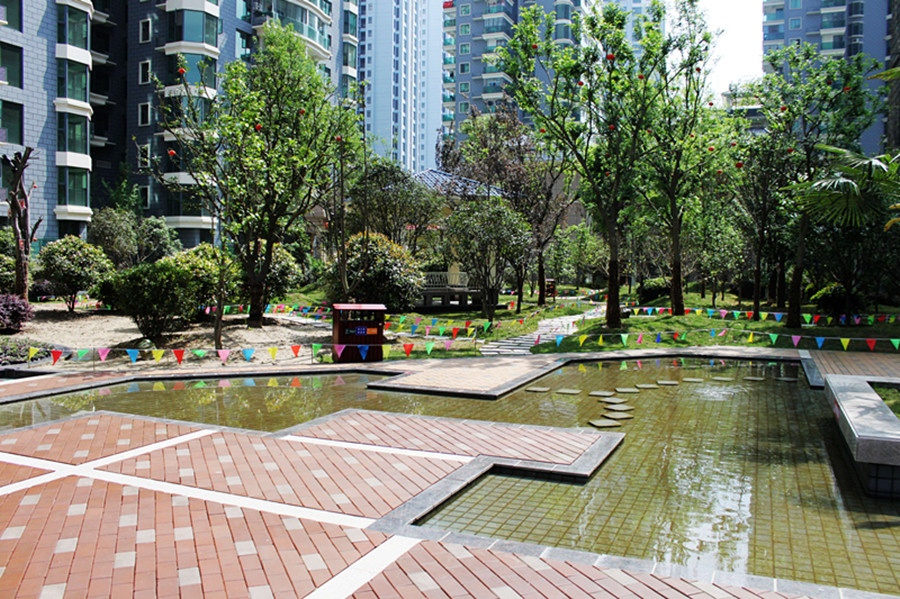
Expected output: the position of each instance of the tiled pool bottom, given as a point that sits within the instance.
(747, 477)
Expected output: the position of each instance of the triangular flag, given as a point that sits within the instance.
(659, 337)
(56, 353)
(710, 312)
(773, 337)
(675, 335)
(248, 353)
(581, 340)
(816, 319)
(600, 341)
(363, 352)
(386, 350)
(428, 347)
(434, 321)
(407, 347)
(736, 314)
(295, 382)
(749, 315)
(82, 353)
(624, 337)
(296, 350)
(412, 329)
(722, 334)
(199, 352)
(640, 338)
(448, 343)
(778, 316)
(807, 318)
(387, 325)
(763, 315)
(157, 354)
(624, 366)
(179, 355)
(559, 339)
(845, 343)
(418, 319)
(795, 339)
(751, 337)
(103, 352)
(223, 354)
(871, 344)
(158, 386)
(468, 324)
(441, 331)
(32, 351)
(896, 343)
(315, 349)
(273, 351)
(712, 332)
(723, 313)
(820, 341)
(133, 354)
(487, 325)
(402, 318)
(455, 330)
(272, 383)
(339, 349)
(427, 330)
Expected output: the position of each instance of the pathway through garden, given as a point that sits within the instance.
(547, 329)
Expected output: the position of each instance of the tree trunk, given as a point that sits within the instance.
(542, 280)
(796, 290)
(256, 290)
(781, 285)
(703, 288)
(677, 292)
(757, 286)
(613, 311)
(714, 281)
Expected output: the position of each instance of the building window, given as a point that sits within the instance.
(13, 13)
(198, 70)
(144, 31)
(143, 157)
(464, 109)
(72, 186)
(11, 118)
(350, 26)
(465, 10)
(464, 48)
(794, 24)
(144, 191)
(464, 67)
(349, 55)
(72, 133)
(144, 72)
(795, 4)
(245, 47)
(72, 27)
(465, 29)
(11, 60)
(193, 26)
(464, 87)
(72, 80)
(857, 8)
(143, 114)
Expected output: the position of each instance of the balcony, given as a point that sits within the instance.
(449, 79)
(840, 23)
(449, 60)
(449, 23)
(774, 16)
(833, 3)
(447, 118)
(494, 30)
(448, 98)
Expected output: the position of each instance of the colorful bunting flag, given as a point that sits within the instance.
(157, 354)
(773, 337)
(441, 331)
(407, 347)
(454, 330)
(795, 339)
(659, 337)
(763, 315)
(199, 352)
(363, 352)
(82, 353)
(640, 338)
(248, 353)
(56, 353)
(871, 344)
(32, 351)
(487, 325)
(412, 329)
(386, 351)
(778, 316)
(538, 340)
(223, 354)
(896, 343)
(427, 330)
(845, 343)
(559, 339)
(428, 347)
(820, 341)
(133, 354)
(179, 355)
(624, 337)
(600, 342)
(807, 318)
(750, 340)
(447, 344)
(339, 349)
(581, 340)
(296, 350)
(624, 366)
(712, 332)
(103, 352)
(273, 351)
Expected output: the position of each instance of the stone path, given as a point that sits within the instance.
(547, 330)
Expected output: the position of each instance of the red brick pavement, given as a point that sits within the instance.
(455, 437)
(11, 473)
(359, 483)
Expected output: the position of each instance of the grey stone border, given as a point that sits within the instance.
(870, 429)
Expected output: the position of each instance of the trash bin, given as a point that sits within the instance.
(358, 332)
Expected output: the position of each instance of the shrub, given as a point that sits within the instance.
(386, 273)
(113, 231)
(155, 239)
(14, 350)
(156, 295)
(652, 289)
(14, 313)
(202, 262)
(7, 242)
(39, 288)
(7, 273)
(834, 299)
(72, 265)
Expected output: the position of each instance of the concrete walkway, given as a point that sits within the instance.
(547, 330)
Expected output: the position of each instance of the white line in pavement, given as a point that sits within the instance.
(360, 572)
(416, 453)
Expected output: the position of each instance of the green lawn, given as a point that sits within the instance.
(891, 396)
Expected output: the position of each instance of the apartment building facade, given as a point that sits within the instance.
(80, 87)
(839, 28)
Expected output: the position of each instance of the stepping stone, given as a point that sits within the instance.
(627, 390)
(613, 400)
(724, 379)
(537, 389)
(786, 379)
(604, 423)
(647, 386)
(618, 415)
(568, 391)
(692, 380)
(601, 393)
(620, 408)
(667, 383)
(754, 378)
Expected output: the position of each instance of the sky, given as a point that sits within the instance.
(738, 50)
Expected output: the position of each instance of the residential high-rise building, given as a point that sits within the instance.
(80, 87)
(841, 28)
(400, 44)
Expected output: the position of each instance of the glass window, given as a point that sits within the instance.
(143, 156)
(11, 120)
(73, 186)
(72, 133)
(144, 191)
(795, 24)
(857, 8)
(464, 67)
(144, 31)
(193, 26)
(144, 114)
(11, 61)
(198, 70)
(350, 23)
(465, 29)
(349, 55)
(562, 31)
(465, 9)
(795, 4)
(464, 87)
(245, 47)
(144, 72)
(72, 80)
(564, 11)
(13, 13)
(464, 48)
(71, 26)
(464, 108)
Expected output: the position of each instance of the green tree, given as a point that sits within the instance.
(587, 251)
(487, 237)
(260, 152)
(112, 230)
(595, 105)
(156, 295)
(71, 265)
(19, 200)
(816, 100)
(155, 240)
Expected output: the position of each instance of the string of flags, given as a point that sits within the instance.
(812, 319)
